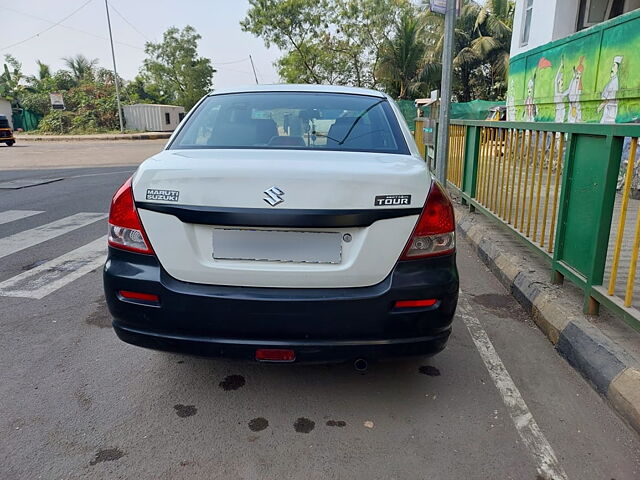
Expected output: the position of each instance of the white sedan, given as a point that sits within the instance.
(285, 223)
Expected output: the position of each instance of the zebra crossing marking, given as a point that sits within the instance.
(13, 215)
(28, 238)
(51, 276)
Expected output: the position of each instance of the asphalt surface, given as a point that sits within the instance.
(42, 155)
(75, 402)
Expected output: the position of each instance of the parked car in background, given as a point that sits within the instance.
(6, 134)
(285, 223)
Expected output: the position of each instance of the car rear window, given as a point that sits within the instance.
(293, 120)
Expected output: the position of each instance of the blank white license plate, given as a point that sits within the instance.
(277, 246)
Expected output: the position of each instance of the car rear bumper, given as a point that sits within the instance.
(7, 137)
(317, 324)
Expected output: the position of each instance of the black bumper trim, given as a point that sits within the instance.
(306, 351)
(320, 324)
(270, 217)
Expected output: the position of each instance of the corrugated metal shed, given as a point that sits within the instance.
(152, 118)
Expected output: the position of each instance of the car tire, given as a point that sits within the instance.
(10, 144)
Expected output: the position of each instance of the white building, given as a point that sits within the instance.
(148, 117)
(537, 22)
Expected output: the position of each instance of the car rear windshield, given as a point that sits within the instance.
(293, 120)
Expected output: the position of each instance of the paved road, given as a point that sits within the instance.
(40, 155)
(78, 403)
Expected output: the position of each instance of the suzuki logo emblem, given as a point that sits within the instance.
(274, 196)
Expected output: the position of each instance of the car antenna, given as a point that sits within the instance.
(254, 70)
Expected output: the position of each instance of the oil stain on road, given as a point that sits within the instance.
(258, 424)
(184, 411)
(107, 455)
(500, 305)
(336, 423)
(304, 425)
(429, 370)
(100, 317)
(232, 382)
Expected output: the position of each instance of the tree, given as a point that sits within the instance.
(402, 57)
(494, 25)
(140, 91)
(174, 69)
(481, 50)
(326, 41)
(36, 82)
(81, 67)
(11, 78)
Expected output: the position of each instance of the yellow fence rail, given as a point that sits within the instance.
(457, 136)
(557, 188)
(519, 178)
(625, 244)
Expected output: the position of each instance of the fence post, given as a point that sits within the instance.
(471, 153)
(556, 276)
(604, 215)
(590, 171)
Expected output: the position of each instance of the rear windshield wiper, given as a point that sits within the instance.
(353, 125)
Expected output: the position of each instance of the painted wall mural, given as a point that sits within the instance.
(591, 76)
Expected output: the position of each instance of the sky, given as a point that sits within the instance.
(86, 32)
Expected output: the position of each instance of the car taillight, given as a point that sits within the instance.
(125, 228)
(435, 231)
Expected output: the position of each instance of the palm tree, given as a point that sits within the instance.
(36, 81)
(44, 71)
(465, 59)
(494, 25)
(80, 66)
(482, 43)
(402, 57)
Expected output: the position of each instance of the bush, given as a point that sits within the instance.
(56, 122)
(36, 102)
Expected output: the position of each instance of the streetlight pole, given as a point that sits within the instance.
(115, 71)
(442, 152)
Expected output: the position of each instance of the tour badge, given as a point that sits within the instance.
(392, 200)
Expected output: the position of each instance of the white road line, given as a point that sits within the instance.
(55, 274)
(101, 174)
(545, 458)
(29, 238)
(13, 215)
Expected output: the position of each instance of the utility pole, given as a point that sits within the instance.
(442, 152)
(115, 71)
(254, 70)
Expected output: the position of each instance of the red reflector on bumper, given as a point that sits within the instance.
(147, 297)
(275, 355)
(416, 303)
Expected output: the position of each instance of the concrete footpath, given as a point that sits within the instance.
(603, 349)
(97, 137)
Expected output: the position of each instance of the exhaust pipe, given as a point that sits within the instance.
(361, 365)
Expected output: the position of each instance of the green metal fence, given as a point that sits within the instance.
(556, 188)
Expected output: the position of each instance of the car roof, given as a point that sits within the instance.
(289, 87)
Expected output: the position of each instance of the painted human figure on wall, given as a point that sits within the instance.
(530, 108)
(574, 92)
(511, 102)
(559, 94)
(609, 105)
